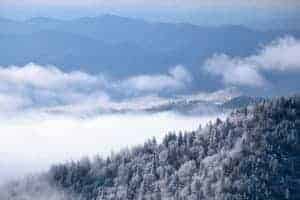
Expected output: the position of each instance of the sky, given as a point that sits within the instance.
(201, 12)
(156, 3)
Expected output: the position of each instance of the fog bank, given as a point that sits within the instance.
(33, 142)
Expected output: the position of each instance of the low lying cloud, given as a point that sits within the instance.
(234, 71)
(48, 88)
(50, 116)
(31, 143)
(35, 86)
(280, 55)
(35, 187)
(45, 77)
(177, 78)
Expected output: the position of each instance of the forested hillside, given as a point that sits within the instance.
(254, 154)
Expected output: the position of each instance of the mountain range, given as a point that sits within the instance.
(121, 47)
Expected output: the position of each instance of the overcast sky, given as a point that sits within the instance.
(187, 3)
(201, 12)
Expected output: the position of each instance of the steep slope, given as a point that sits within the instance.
(254, 154)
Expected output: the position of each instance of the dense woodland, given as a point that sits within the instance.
(254, 154)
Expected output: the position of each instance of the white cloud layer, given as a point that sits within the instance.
(177, 78)
(280, 55)
(44, 77)
(32, 142)
(234, 71)
(50, 89)
(48, 115)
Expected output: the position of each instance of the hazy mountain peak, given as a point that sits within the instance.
(37, 20)
(108, 18)
(2, 19)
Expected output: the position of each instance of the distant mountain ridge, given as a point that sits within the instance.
(202, 107)
(122, 47)
(170, 44)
